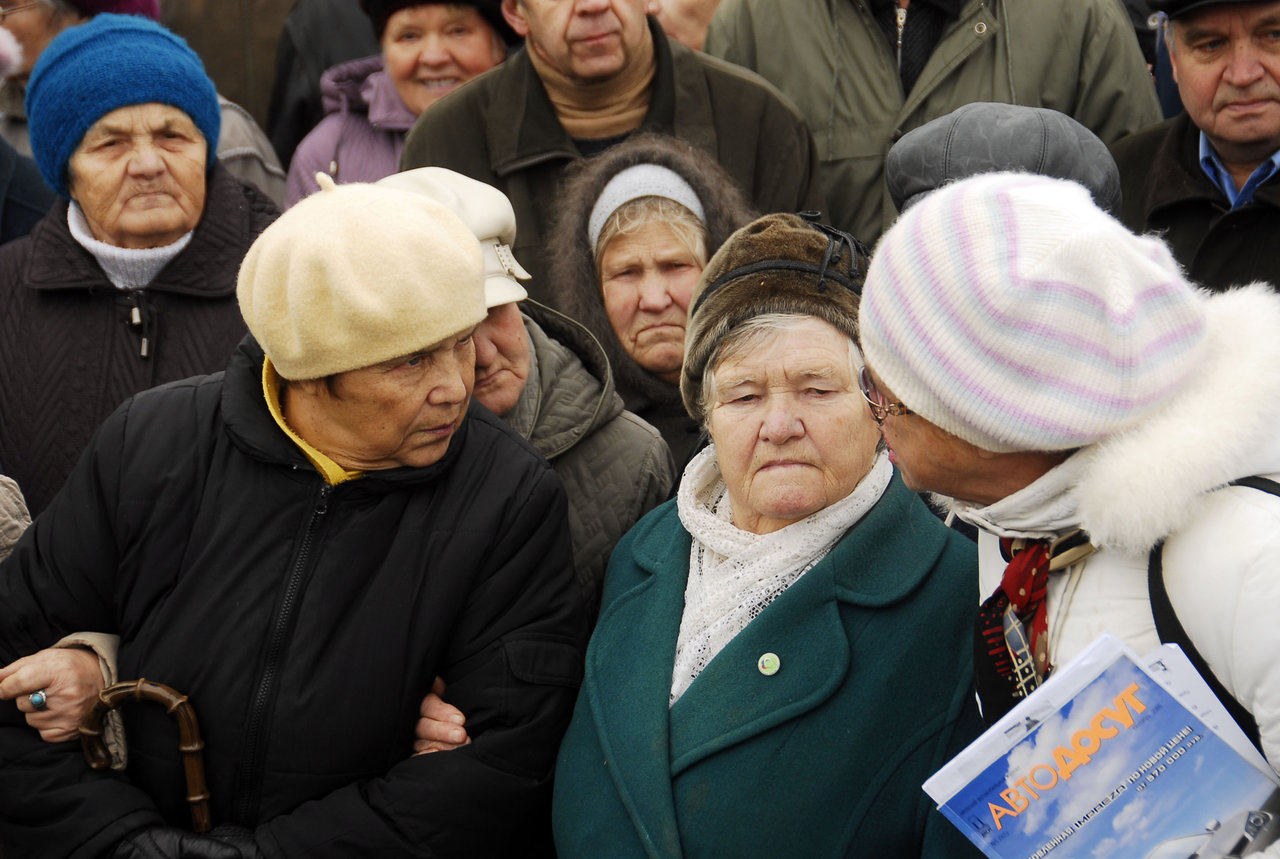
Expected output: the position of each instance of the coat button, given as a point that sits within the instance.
(769, 664)
(980, 27)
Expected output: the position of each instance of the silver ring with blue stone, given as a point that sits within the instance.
(39, 700)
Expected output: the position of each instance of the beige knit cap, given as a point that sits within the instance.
(356, 275)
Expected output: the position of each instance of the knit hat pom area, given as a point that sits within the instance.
(1011, 311)
(356, 275)
(112, 61)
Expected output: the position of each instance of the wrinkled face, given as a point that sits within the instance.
(432, 49)
(139, 176)
(929, 458)
(402, 412)
(34, 27)
(502, 358)
(586, 40)
(1226, 60)
(647, 278)
(791, 430)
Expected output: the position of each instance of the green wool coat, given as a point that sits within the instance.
(823, 758)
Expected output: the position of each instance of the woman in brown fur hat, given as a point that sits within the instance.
(742, 690)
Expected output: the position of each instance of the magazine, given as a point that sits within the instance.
(1114, 756)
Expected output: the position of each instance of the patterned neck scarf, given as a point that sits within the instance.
(1011, 641)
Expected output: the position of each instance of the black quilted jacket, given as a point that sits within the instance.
(305, 622)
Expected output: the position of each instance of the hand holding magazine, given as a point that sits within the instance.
(1114, 756)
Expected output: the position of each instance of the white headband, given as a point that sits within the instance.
(642, 180)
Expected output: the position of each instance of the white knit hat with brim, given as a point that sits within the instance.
(1011, 311)
(356, 275)
(485, 211)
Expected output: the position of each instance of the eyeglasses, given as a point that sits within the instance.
(5, 12)
(875, 399)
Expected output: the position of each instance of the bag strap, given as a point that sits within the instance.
(1171, 631)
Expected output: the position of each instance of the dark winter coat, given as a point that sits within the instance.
(24, 198)
(317, 35)
(1166, 191)
(69, 352)
(825, 758)
(500, 128)
(305, 622)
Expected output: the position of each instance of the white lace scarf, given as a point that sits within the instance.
(734, 574)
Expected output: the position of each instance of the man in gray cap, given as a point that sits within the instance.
(989, 137)
(1207, 179)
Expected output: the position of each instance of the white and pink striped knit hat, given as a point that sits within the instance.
(1011, 311)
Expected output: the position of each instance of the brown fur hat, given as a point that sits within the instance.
(776, 264)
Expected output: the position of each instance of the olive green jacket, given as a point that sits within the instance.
(830, 57)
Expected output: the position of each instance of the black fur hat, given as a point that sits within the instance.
(380, 10)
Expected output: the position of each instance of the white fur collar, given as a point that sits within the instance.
(1142, 485)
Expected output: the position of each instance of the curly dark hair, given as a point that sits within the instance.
(574, 284)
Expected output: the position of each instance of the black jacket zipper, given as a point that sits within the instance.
(249, 782)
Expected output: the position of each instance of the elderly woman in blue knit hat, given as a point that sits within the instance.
(131, 281)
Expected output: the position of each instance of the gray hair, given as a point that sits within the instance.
(746, 337)
(635, 214)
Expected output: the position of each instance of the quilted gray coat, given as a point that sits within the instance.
(614, 466)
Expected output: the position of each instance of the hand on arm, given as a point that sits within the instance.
(70, 679)
(440, 724)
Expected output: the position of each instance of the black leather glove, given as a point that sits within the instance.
(167, 842)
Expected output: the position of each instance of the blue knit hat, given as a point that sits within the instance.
(112, 61)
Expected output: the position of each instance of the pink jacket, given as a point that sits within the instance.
(360, 138)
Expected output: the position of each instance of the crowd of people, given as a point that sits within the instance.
(573, 426)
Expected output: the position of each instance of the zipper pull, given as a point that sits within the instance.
(902, 24)
(136, 320)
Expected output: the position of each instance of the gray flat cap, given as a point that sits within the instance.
(985, 137)
(1178, 8)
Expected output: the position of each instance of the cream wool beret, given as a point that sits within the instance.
(356, 275)
(486, 212)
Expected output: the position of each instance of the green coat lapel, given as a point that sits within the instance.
(628, 679)
(733, 700)
(871, 567)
